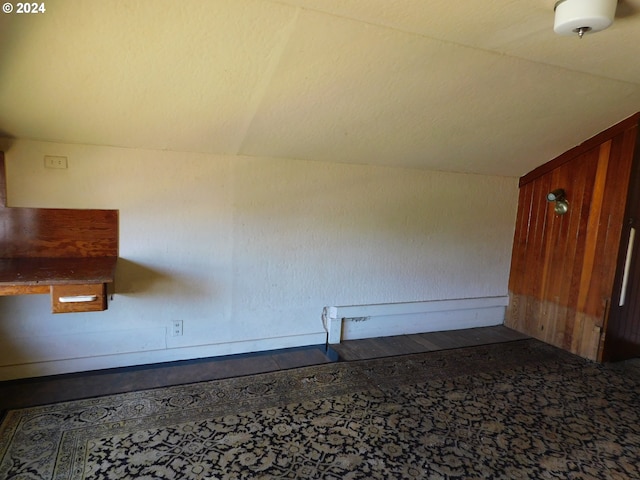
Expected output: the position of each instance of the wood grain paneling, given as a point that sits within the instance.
(56, 271)
(563, 267)
(3, 182)
(50, 232)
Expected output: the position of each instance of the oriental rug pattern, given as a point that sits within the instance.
(508, 411)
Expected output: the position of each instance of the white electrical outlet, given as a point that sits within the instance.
(55, 162)
(176, 328)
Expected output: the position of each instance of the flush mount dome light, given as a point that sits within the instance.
(577, 17)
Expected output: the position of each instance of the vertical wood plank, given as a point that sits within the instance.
(591, 239)
(3, 182)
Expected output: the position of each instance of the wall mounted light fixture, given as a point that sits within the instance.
(559, 197)
(577, 17)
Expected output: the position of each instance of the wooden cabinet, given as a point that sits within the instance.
(565, 274)
(70, 254)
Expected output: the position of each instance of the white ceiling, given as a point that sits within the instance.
(468, 85)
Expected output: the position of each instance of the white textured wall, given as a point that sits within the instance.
(247, 251)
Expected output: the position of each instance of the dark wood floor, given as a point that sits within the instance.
(423, 342)
(45, 390)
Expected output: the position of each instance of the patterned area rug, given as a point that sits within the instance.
(508, 411)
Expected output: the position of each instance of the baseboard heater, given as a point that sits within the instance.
(382, 320)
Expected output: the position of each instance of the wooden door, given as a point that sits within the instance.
(622, 340)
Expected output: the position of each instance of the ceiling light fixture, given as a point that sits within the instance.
(583, 16)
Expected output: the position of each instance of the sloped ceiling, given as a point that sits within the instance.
(469, 86)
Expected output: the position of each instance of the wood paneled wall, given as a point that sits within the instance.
(563, 266)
